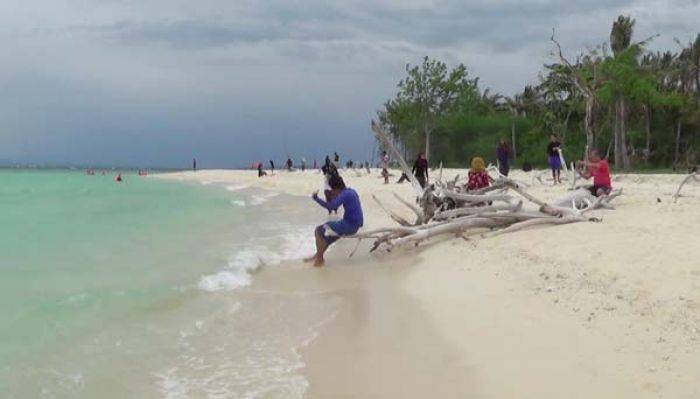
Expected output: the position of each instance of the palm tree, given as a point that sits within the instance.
(620, 41)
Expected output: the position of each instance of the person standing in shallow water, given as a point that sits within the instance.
(553, 158)
(330, 232)
(194, 164)
(503, 156)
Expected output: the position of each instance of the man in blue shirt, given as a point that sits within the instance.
(330, 232)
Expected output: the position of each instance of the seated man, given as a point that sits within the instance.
(600, 171)
(330, 232)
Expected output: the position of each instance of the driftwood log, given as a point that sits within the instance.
(445, 208)
(691, 177)
(499, 209)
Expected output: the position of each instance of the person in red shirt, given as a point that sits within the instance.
(478, 177)
(599, 170)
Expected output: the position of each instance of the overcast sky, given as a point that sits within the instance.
(156, 82)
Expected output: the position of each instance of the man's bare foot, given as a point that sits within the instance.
(319, 262)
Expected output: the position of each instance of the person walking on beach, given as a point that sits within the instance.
(553, 158)
(303, 164)
(336, 160)
(503, 157)
(330, 232)
(272, 167)
(420, 170)
(385, 167)
(194, 164)
(289, 164)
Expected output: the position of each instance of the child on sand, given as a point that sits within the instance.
(600, 171)
(478, 177)
(329, 232)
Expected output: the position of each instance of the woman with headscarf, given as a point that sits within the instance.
(478, 177)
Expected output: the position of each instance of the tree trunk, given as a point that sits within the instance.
(647, 121)
(616, 137)
(621, 157)
(623, 135)
(677, 154)
(512, 134)
(427, 141)
(590, 135)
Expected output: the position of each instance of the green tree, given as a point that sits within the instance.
(426, 94)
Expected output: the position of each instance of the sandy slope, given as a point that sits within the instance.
(608, 310)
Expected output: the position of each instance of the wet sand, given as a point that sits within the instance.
(606, 310)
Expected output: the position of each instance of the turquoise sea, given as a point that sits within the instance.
(145, 288)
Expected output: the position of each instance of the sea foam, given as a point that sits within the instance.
(237, 187)
(262, 198)
(293, 243)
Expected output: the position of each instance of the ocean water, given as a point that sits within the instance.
(146, 288)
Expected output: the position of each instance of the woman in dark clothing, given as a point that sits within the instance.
(503, 156)
(420, 170)
(553, 158)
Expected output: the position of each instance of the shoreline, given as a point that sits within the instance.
(586, 310)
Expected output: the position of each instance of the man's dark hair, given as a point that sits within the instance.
(336, 182)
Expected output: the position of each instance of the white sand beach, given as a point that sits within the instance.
(586, 310)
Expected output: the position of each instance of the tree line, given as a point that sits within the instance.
(641, 109)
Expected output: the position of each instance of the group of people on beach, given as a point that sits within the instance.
(337, 194)
(303, 164)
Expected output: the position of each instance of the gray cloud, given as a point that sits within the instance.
(154, 82)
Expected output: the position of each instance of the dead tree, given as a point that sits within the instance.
(485, 212)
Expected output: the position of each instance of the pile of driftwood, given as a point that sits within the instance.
(504, 207)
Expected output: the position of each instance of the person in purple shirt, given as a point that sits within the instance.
(329, 232)
(503, 156)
